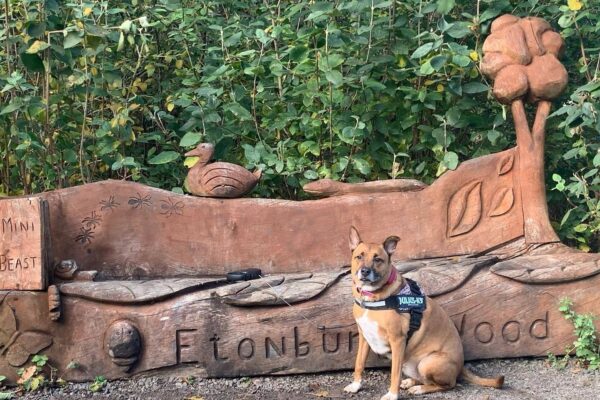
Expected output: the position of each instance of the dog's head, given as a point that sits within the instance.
(371, 262)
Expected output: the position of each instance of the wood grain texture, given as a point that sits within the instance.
(549, 268)
(129, 231)
(200, 332)
(23, 244)
(329, 187)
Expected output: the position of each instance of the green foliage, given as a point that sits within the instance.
(5, 395)
(586, 346)
(349, 90)
(98, 384)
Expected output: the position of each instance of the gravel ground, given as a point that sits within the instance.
(525, 379)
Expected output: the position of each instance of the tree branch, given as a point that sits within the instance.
(521, 125)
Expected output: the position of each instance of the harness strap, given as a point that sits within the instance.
(416, 315)
(414, 303)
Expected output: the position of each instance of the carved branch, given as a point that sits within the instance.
(524, 138)
(539, 125)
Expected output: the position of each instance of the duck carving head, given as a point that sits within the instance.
(204, 151)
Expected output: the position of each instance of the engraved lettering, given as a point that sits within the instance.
(184, 341)
(484, 332)
(511, 331)
(215, 339)
(302, 348)
(271, 346)
(337, 343)
(248, 352)
(539, 328)
(7, 225)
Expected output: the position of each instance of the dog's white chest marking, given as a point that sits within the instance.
(370, 330)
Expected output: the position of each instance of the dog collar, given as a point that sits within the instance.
(391, 279)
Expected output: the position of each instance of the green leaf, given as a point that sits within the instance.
(32, 62)
(445, 6)
(13, 106)
(451, 160)
(7, 395)
(475, 87)
(164, 157)
(239, 111)
(361, 165)
(310, 174)
(37, 46)
(422, 50)
(72, 39)
(335, 77)
(438, 62)
(36, 29)
(190, 139)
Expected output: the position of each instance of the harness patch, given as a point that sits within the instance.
(410, 300)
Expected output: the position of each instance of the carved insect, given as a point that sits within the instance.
(169, 207)
(109, 205)
(92, 221)
(18, 346)
(139, 201)
(85, 236)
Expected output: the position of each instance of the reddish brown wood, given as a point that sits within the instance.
(127, 230)
(219, 179)
(329, 187)
(23, 244)
(213, 332)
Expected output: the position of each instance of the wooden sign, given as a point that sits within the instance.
(22, 244)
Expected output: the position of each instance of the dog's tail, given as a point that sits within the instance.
(470, 377)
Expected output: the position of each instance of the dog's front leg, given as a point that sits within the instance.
(359, 365)
(398, 346)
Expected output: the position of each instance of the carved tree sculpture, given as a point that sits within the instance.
(521, 56)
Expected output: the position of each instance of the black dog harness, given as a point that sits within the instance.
(407, 301)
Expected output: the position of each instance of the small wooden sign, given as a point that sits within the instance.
(23, 247)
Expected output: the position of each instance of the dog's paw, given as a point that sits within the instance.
(353, 387)
(390, 396)
(416, 390)
(407, 383)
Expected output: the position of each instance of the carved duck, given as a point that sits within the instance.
(218, 179)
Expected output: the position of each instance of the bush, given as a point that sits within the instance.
(348, 90)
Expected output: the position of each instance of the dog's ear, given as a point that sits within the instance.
(354, 238)
(390, 244)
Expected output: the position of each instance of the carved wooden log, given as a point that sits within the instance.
(126, 230)
(234, 330)
(329, 187)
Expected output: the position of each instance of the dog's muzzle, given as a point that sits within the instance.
(366, 274)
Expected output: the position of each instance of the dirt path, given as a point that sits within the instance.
(525, 379)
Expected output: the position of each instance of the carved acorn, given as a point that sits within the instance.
(218, 179)
(123, 344)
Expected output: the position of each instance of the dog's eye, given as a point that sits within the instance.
(359, 257)
(377, 259)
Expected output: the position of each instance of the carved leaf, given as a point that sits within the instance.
(464, 210)
(27, 344)
(502, 202)
(506, 164)
(8, 324)
(133, 292)
(442, 275)
(288, 289)
(549, 268)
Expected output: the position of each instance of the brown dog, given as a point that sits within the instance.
(429, 354)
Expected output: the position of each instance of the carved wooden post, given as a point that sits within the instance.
(521, 56)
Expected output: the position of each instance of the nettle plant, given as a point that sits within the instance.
(586, 347)
(350, 90)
